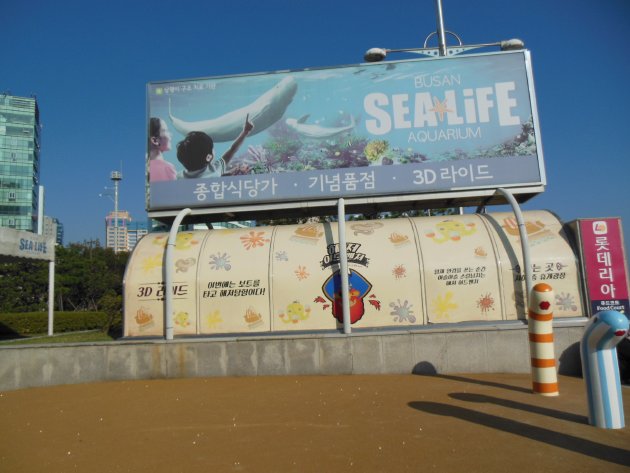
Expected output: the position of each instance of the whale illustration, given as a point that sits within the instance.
(316, 131)
(263, 112)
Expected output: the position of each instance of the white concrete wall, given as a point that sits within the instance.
(479, 348)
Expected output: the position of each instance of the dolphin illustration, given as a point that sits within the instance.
(263, 112)
(316, 131)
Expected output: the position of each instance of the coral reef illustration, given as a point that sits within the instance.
(286, 150)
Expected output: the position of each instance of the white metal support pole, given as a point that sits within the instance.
(441, 33)
(524, 242)
(168, 274)
(51, 296)
(51, 264)
(343, 266)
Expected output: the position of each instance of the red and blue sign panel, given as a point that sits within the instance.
(604, 263)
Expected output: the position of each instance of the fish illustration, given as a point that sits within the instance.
(263, 112)
(317, 131)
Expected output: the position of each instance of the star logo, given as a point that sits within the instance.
(440, 108)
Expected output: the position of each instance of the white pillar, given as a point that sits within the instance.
(51, 296)
(168, 275)
(527, 271)
(343, 266)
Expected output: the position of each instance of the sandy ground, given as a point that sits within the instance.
(471, 423)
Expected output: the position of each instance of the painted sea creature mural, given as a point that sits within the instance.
(402, 311)
(254, 240)
(281, 256)
(253, 318)
(244, 279)
(182, 318)
(510, 225)
(214, 319)
(399, 240)
(365, 228)
(443, 305)
(317, 131)
(566, 301)
(183, 240)
(184, 264)
(295, 313)
(485, 303)
(451, 230)
(301, 273)
(480, 252)
(309, 233)
(359, 287)
(399, 271)
(152, 262)
(263, 112)
(536, 231)
(144, 318)
(219, 261)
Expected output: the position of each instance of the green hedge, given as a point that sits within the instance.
(30, 323)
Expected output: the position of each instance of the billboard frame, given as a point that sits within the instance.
(378, 202)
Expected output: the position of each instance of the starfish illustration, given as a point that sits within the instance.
(254, 240)
(440, 107)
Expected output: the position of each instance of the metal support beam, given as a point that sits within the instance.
(524, 242)
(51, 296)
(441, 33)
(343, 266)
(168, 274)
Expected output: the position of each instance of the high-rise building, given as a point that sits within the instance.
(19, 162)
(135, 231)
(116, 230)
(53, 228)
(124, 230)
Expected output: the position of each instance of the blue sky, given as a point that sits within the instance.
(89, 63)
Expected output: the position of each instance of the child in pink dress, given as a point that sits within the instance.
(159, 141)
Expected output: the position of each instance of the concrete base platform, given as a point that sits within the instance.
(463, 348)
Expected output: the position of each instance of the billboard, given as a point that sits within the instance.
(22, 244)
(365, 131)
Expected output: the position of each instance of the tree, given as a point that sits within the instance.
(111, 304)
(23, 286)
(84, 273)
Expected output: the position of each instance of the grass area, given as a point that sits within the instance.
(72, 337)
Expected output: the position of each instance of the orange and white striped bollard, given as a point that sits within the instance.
(540, 326)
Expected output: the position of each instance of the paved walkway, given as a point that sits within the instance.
(472, 423)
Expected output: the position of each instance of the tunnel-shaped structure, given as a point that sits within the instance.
(403, 272)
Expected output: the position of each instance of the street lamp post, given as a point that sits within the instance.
(440, 28)
(116, 177)
(379, 54)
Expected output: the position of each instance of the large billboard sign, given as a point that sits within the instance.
(416, 127)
